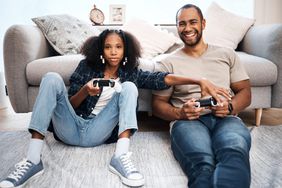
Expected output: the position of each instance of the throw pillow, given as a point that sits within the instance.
(65, 33)
(153, 40)
(224, 28)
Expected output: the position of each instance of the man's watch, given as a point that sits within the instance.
(230, 108)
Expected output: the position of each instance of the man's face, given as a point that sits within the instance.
(190, 26)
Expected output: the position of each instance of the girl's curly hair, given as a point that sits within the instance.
(93, 49)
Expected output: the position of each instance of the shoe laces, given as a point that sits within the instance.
(127, 163)
(21, 169)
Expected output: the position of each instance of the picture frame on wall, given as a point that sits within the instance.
(117, 14)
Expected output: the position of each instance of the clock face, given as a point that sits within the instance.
(97, 16)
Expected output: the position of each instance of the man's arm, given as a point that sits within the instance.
(242, 98)
(163, 109)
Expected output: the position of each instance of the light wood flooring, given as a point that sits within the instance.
(9, 120)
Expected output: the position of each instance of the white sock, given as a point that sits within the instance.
(34, 150)
(122, 146)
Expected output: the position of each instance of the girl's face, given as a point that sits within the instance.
(113, 49)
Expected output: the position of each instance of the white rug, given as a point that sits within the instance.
(73, 167)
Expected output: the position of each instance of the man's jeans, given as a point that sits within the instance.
(213, 151)
(52, 103)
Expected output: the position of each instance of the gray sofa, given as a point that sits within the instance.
(28, 56)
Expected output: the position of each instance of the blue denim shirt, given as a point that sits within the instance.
(84, 73)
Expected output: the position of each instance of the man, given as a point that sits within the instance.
(212, 145)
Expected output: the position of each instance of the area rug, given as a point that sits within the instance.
(73, 167)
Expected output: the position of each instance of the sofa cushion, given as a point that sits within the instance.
(224, 28)
(65, 33)
(147, 65)
(261, 71)
(64, 65)
(153, 40)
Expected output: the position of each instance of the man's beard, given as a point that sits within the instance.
(194, 42)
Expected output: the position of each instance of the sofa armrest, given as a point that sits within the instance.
(266, 41)
(22, 44)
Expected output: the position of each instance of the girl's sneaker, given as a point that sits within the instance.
(25, 170)
(124, 168)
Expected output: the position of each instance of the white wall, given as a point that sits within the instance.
(159, 11)
(268, 11)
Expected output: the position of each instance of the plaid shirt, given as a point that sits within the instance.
(84, 73)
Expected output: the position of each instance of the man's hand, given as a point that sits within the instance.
(208, 88)
(190, 111)
(221, 111)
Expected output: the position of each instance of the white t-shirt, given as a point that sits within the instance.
(104, 98)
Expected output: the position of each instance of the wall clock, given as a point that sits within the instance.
(96, 16)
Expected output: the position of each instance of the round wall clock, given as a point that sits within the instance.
(96, 16)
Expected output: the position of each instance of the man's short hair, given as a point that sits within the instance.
(190, 6)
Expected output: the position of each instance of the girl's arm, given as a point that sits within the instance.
(207, 87)
(85, 91)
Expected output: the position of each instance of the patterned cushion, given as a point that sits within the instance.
(65, 33)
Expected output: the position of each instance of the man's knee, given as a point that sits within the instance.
(234, 135)
(233, 142)
(192, 135)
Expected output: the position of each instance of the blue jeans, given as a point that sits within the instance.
(213, 151)
(52, 103)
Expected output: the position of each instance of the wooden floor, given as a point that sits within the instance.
(9, 120)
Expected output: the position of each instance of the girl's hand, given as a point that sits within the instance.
(208, 88)
(90, 89)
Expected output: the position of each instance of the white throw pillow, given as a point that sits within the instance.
(224, 28)
(153, 40)
(146, 65)
(65, 33)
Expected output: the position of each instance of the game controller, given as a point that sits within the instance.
(206, 102)
(107, 83)
(104, 83)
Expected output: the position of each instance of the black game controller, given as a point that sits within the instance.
(206, 102)
(104, 83)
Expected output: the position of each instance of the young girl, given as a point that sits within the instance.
(87, 114)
